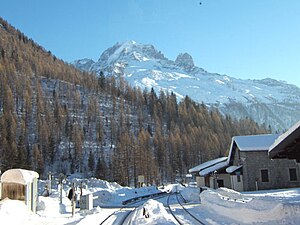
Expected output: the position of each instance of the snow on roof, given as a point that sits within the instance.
(188, 175)
(19, 176)
(213, 168)
(282, 137)
(202, 166)
(232, 169)
(255, 142)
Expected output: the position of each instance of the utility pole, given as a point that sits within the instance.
(61, 178)
(49, 185)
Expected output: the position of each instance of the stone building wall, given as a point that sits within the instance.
(278, 171)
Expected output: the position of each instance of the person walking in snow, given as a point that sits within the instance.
(70, 195)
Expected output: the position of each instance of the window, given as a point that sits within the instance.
(293, 174)
(264, 175)
(220, 183)
(238, 178)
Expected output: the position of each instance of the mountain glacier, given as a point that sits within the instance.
(268, 101)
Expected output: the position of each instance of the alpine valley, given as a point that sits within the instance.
(267, 101)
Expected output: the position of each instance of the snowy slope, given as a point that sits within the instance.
(266, 101)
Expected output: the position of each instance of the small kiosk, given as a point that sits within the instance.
(20, 184)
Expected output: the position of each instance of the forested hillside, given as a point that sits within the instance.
(56, 118)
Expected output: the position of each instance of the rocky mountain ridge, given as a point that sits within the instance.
(268, 101)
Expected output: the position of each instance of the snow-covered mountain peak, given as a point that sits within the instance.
(185, 61)
(83, 64)
(130, 50)
(267, 101)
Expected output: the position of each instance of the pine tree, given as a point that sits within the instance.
(91, 161)
(101, 80)
(38, 161)
(9, 131)
(78, 145)
(100, 169)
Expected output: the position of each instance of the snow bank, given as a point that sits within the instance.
(231, 195)
(172, 187)
(14, 212)
(115, 197)
(156, 214)
(104, 192)
(243, 209)
(50, 206)
(191, 194)
(91, 217)
(102, 197)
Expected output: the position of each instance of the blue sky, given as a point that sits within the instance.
(249, 39)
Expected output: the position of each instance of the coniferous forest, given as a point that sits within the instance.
(56, 118)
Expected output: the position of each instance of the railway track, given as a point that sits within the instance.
(179, 213)
(121, 215)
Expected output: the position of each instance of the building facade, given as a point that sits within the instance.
(248, 167)
(259, 172)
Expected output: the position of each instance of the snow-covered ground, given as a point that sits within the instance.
(222, 206)
(264, 207)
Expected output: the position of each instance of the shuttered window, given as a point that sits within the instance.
(264, 175)
(293, 174)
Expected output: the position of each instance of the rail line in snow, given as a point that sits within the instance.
(120, 215)
(123, 213)
(176, 216)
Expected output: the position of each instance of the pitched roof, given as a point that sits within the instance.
(210, 163)
(232, 169)
(212, 168)
(254, 142)
(285, 145)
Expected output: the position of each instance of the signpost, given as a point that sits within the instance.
(141, 180)
(86, 202)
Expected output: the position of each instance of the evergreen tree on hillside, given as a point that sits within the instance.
(55, 116)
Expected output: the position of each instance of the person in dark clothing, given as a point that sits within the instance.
(70, 195)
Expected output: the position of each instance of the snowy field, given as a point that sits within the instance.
(222, 206)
